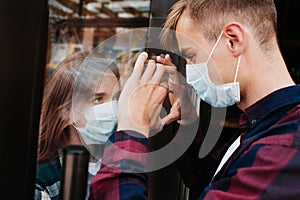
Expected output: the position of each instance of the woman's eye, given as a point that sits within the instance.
(97, 100)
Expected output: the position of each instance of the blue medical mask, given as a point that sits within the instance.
(216, 95)
(101, 123)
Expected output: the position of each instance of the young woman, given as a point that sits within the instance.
(79, 108)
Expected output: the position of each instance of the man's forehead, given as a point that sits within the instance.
(185, 39)
(184, 22)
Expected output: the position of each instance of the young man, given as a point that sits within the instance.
(239, 62)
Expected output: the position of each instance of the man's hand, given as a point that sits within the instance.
(182, 108)
(141, 100)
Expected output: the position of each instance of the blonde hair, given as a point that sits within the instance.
(168, 37)
(212, 15)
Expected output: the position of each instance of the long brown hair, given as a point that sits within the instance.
(57, 105)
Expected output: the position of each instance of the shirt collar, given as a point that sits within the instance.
(278, 99)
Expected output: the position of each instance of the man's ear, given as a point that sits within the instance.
(236, 37)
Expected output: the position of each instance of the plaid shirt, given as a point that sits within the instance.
(48, 180)
(111, 183)
(266, 165)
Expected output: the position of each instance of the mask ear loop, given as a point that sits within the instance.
(213, 49)
(237, 68)
(74, 125)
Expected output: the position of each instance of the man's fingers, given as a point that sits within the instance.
(149, 71)
(172, 97)
(139, 65)
(170, 70)
(168, 58)
(177, 89)
(160, 71)
(174, 115)
(165, 59)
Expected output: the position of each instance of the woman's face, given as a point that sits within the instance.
(107, 89)
(99, 122)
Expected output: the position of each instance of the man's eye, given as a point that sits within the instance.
(190, 58)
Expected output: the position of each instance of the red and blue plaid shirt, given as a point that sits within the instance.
(266, 165)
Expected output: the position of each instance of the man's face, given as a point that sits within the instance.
(196, 49)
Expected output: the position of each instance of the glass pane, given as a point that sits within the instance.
(90, 43)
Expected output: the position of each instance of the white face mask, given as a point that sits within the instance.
(94, 167)
(101, 123)
(216, 95)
